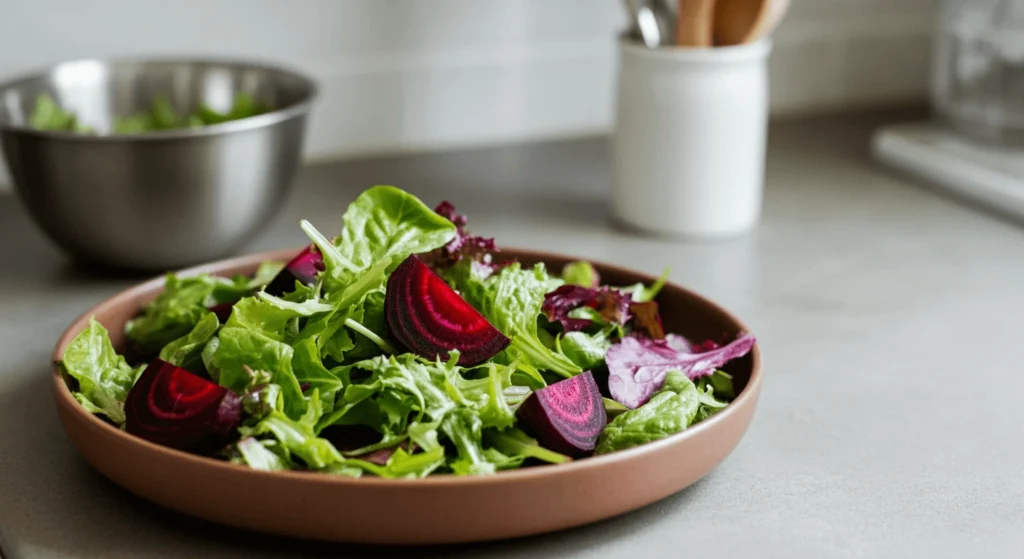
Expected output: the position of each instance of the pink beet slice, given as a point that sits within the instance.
(567, 416)
(430, 319)
(303, 268)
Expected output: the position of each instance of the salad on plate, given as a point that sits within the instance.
(403, 347)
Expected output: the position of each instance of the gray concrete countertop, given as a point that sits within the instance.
(889, 317)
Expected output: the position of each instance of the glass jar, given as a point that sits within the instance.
(978, 69)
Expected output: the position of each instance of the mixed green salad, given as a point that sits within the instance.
(47, 114)
(403, 347)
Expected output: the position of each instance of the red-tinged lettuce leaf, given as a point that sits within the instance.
(611, 304)
(560, 302)
(637, 366)
(647, 319)
(464, 245)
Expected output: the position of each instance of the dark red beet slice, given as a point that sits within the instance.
(223, 311)
(430, 319)
(173, 407)
(303, 268)
(567, 416)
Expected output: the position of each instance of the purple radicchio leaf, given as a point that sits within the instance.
(565, 299)
(683, 345)
(637, 366)
(613, 305)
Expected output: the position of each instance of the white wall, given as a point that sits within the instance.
(422, 74)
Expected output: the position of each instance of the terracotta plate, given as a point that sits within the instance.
(443, 509)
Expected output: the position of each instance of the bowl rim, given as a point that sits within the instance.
(270, 118)
(66, 400)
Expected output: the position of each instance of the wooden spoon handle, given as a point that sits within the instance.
(737, 22)
(695, 23)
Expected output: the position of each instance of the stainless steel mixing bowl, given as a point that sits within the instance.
(156, 200)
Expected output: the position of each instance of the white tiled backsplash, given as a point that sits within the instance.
(401, 75)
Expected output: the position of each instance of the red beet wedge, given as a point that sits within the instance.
(567, 416)
(303, 268)
(430, 319)
(173, 407)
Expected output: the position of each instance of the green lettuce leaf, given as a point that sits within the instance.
(308, 368)
(331, 331)
(243, 106)
(186, 351)
(239, 351)
(384, 225)
(386, 222)
(369, 314)
(511, 300)
(587, 351)
(273, 316)
(581, 273)
(180, 306)
(104, 378)
(397, 388)
(296, 436)
(405, 396)
(642, 293)
(48, 115)
(257, 456)
(720, 382)
(492, 395)
(402, 464)
(355, 333)
(420, 379)
(515, 446)
(265, 274)
(464, 429)
(613, 409)
(669, 411)
(714, 392)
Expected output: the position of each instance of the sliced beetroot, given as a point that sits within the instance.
(430, 319)
(567, 416)
(173, 407)
(303, 268)
(223, 311)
